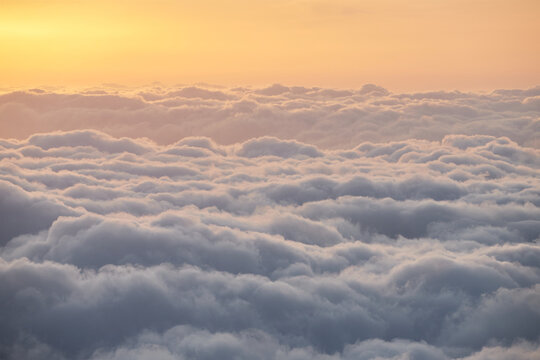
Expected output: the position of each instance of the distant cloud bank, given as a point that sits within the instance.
(328, 118)
(311, 224)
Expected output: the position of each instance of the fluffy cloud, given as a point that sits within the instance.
(120, 248)
(328, 118)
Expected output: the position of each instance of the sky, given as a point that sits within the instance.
(401, 45)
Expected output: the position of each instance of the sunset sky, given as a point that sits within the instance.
(402, 45)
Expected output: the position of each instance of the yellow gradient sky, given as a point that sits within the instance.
(402, 45)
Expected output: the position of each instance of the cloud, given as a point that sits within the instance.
(121, 248)
(87, 138)
(327, 118)
(22, 212)
(274, 147)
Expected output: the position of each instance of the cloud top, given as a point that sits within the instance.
(122, 248)
(327, 118)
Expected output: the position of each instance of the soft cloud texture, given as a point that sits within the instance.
(327, 118)
(119, 248)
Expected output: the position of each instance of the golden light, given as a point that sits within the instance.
(402, 45)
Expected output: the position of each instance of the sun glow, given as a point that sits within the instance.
(401, 45)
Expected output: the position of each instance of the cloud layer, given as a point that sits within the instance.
(328, 118)
(119, 248)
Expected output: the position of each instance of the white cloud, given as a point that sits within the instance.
(120, 248)
(328, 118)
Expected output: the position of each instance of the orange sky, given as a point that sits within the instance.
(402, 45)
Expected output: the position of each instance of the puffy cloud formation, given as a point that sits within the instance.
(327, 118)
(119, 248)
